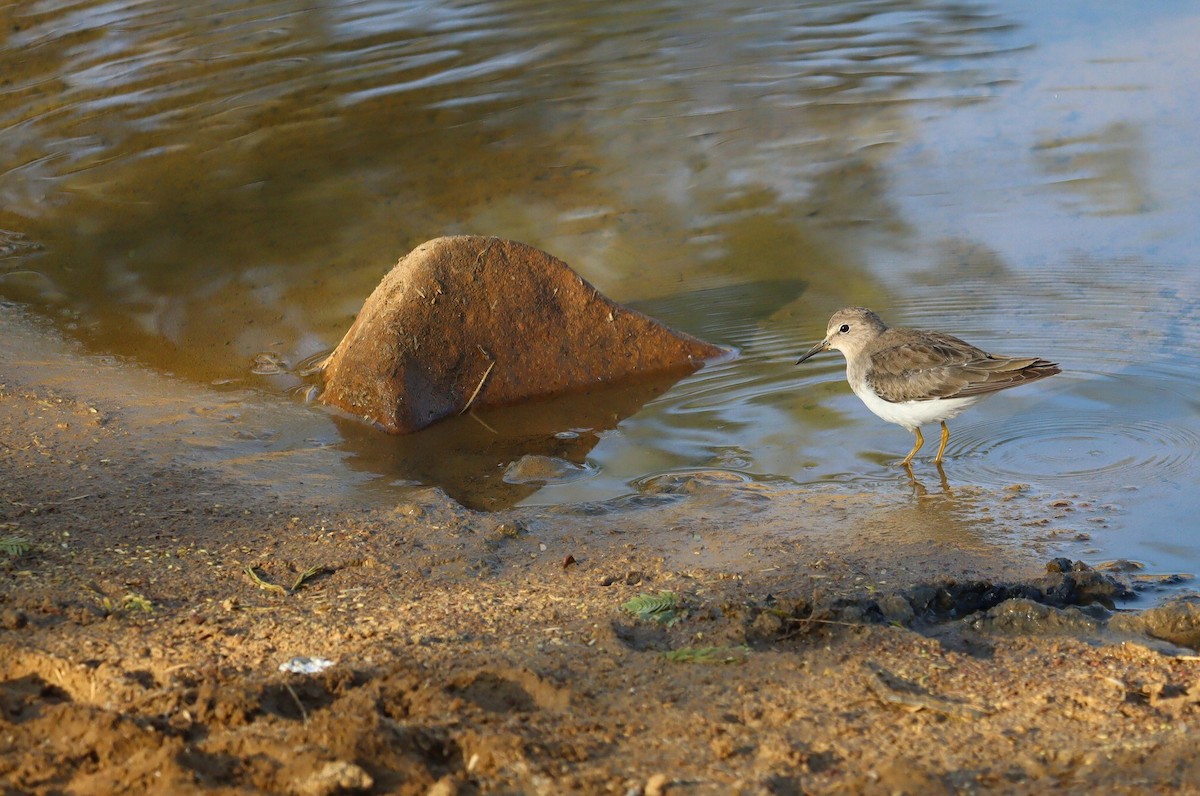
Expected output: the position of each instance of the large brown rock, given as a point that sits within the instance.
(472, 321)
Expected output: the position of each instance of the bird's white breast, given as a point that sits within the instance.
(912, 414)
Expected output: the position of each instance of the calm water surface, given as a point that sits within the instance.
(213, 194)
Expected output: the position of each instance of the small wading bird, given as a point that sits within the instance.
(911, 377)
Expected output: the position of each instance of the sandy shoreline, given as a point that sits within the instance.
(489, 652)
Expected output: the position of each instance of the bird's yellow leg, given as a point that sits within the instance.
(945, 439)
(916, 447)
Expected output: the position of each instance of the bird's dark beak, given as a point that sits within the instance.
(818, 348)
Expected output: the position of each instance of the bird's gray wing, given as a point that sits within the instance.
(940, 366)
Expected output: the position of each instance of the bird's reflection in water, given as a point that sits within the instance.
(919, 489)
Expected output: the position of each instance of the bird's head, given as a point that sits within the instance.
(850, 330)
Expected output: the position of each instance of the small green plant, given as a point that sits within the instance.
(14, 546)
(137, 602)
(130, 603)
(664, 607)
(709, 655)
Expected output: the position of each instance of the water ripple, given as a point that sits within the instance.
(1092, 448)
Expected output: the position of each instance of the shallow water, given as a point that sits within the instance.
(215, 195)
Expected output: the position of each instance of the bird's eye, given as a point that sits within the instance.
(845, 327)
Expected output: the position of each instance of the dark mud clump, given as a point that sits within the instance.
(1074, 585)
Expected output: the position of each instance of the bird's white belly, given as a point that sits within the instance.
(912, 414)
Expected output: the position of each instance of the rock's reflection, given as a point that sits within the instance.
(486, 460)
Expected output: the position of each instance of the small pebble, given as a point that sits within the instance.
(13, 619)
(446, 786)
(1120, 565)
(410, 510)
(304, 665)
(896, 609)
(509, 530)
(338, 776)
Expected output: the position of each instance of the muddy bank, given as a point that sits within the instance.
(708, 635)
